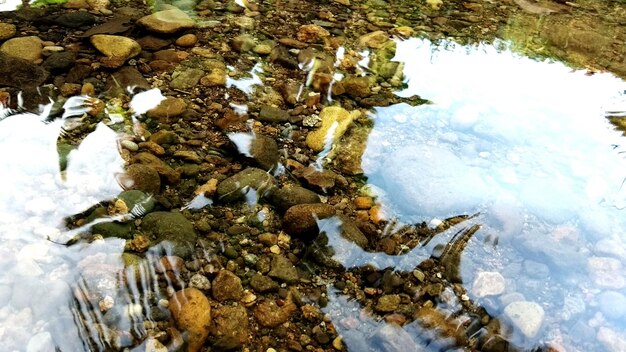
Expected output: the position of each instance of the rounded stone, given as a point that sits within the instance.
(192, 312)
(527, 317)
(7, 30)
(488, 283)
(27, 48)
(143, 178)
(187, 40)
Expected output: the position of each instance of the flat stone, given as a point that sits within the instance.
(27, 48)
(240, 185)
(290, 195)
(172, 228)
(169, 108)
(273, 115)
(115, 46)
(283, 269)
(374, 40)
(186, 78)
(125, 78)
(75, 19)
(167, 21)
(488, 283)
(526, 316)
(387, 303)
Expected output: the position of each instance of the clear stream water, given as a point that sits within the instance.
(524, 143)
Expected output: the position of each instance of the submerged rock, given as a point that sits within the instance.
(335, 122)
(230, 327)
(173, 229)
(27, 48)
(192, 312)
(142, 177)
(270, 315)
(290, 195)
(226, 286)
(240, 185)
(526, 316)
(20, 73)
(116, 46)
(300, 220)
(167, 21)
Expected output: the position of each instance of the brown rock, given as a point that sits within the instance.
(311, 33)
(169, 108)
(230, 327)
(168, 21)
(270, 315)
(143, 178)
(192, 312)
(170, 55)
(300, 220)
(151, 42)
(159, 165)
(187, 40)
(227, 286)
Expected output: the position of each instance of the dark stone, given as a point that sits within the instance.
(143, 178)
(75, 19)
(230, 327)
(273, 115)
(172, 228)
(239, 185)
(78, 73)
(124, 78)
(290, 195)
(300, 220)
(19, 73)
(226, 286)
(151, 42)
(264, 151)
(262, 284)
(281, 56)
(283, 269)
(58, 62)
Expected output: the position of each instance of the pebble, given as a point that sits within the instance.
(273, 114)
(167, 21)
(387, 303)
(526, 316)
(488, 283)
(374, 40)
(200, 282)
(283, 269)
(143, 178)
(186, 78)
(215, 78)
(261, 284)
(27, 48)
(270, 315)
(300, 220)
(130, 145)
(231, 328)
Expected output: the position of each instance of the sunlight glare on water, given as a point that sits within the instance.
(525, 143)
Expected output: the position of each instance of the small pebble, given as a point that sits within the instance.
(130, 145)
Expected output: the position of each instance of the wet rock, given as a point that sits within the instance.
(351, 232)
(611, 339)
(282, 269)
(172, 228)
(312, 33)
(200, 282)
(270, 315)
(264, 48)
(612, 304)
(243, 43)
(167, 21)
(606, 272)
(387, 303)
(215, 78)
(264, 151)
(334, 117)
(273, 115)
(187, 40)
(290, 195)
(115, 46)
(143, 178)
(261, 283)
(7, 30)
(58, 62)
(171, 176)
(433, 319)
(78, 73)
(110, 229)
(324, 180)
(227, 286)
(300, 220)
(75, 19)
(171, 55)
(122, 79)
(231, 328)
(357, 87)
(374, 40)
(169, 108)
(241, 184)
(393, 338)
(136, 198)
(20, 73)
(192, 312)
(27, 48)
(281, 56)
(527, 317)
(151, 42)
(164, 137)
(488, 283)
(186, 78)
